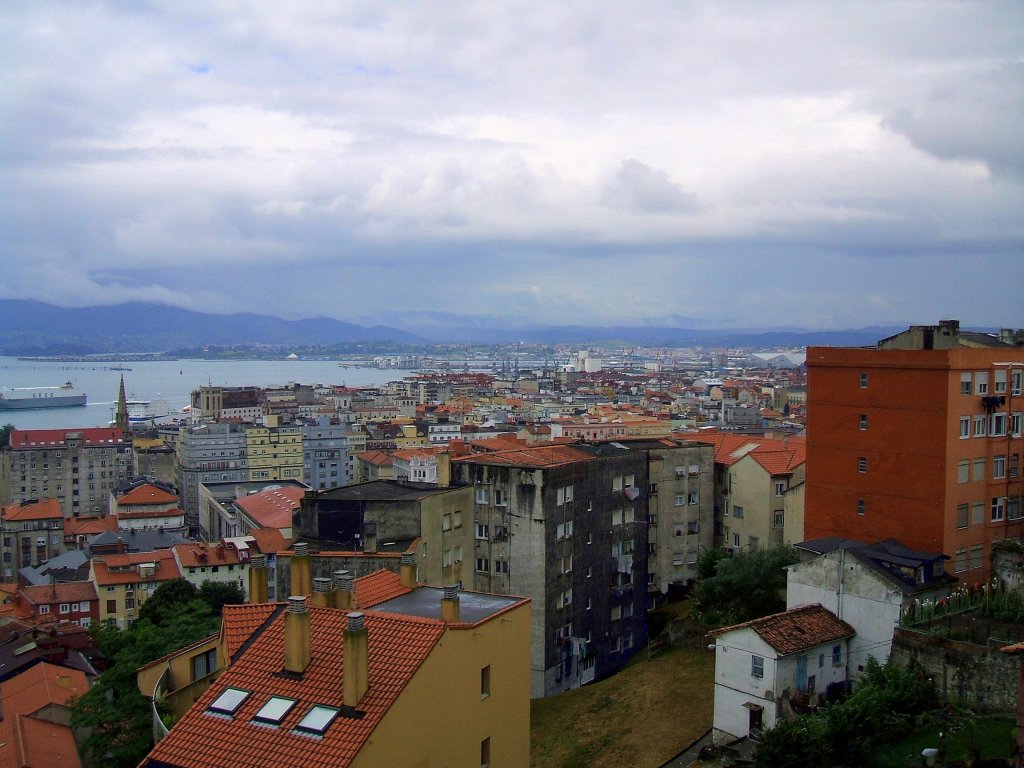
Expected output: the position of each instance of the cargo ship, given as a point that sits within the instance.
(41, 397)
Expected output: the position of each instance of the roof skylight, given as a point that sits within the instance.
(229, 701)
(275, 710)
(318, 719)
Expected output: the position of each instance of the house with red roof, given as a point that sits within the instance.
(124, 581)
(221, 563)
(35, 730)
(319, 685)
(73, 601)
(31, 532)
(147, 504)
(274, 508)
(759, 489)
(768, 668)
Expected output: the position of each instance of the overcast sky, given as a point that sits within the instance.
(703, 163)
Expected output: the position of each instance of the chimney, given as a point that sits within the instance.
(408, 571)
(322, 592)
(258, 589)
(302, 570)
(357, 663)
(344, 591)
(296, 635)
(450, 604)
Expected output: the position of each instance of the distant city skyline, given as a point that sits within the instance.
(741, 165)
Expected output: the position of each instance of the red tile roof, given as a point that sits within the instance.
(534, 457)
(28, 741)
(778, 457)
(123, 569)
(198, 553)
(796, 629)
(147, 493)
(45, 438)
(377, 587)
(398, 646)
(63, 592)
(272, 508)
(44, 509)
(269, 540)
(239, 622)
(89, 526)
(377, 458)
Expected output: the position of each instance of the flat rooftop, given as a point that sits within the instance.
(425, 602)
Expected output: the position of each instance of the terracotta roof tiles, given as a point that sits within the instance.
(273, 507)
(63, 592)
(123, 569)
(147, 493)
(239, 622)
(398, 646)
(535, 457)
(375, 588)
(45, 438)
(796, 629)
(44, 509)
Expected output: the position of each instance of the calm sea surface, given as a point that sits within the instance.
(170, 381)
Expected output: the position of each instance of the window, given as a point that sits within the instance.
(565, 564)
(457, 519)
(317, 720)
(979, 426)
(563, 530)
(736, 540)
(485, 682)
(482, 531)
(680, 500)
(44, 609)
(757, 666)
(482, 496)
(863, 381)
(978, 474)
(778, 519)
(1015, 424)
(485, 753)
(965, 383)
(837, 655)
(65, 608)
(861, 506)
(111, 606)
(961, 516)
(963, 471)
(997, 425)
(737, 511)
(693, 498)
(862, 464)
(482, 566)
(565, 598)
(981, 383)
(863, 422)
(501, 567)
(275, 710)
(563, 495)
(976, 555)
(1017, 382)
(965, 427)
(978, 513)
(998, 509)
(446, 522)
(229, 701)
(998, 467)
(204, 663)
(780, 488)
(960, 560)
(1013, 508)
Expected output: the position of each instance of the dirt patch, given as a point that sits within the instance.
(639, 718)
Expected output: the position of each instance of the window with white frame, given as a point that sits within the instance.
(863, 381)
(482, 531)
(482, 566)
(999, 381)
(1015, 421)
(483, 495)
(965, 383)
(980, 422)
(680, 500)
(757, 665)
(965, 427)
(563, 530)
(998, 509)
(981, 382)
(862, 464)
(780, 487)
(997, 425)
(1017, 382)
(998, 467)
(863, 422)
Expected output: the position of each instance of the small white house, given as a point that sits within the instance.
(767, 668)
(867, 586)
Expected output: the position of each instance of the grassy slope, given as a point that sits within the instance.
(639, 718)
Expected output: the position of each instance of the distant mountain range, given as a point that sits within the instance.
(34, 328)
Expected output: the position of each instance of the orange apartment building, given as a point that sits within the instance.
(918, 439)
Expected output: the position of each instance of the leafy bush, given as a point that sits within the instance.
(743, 587)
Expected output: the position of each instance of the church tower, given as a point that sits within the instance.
(121, 418)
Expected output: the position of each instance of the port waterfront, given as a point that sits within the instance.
(168, 380)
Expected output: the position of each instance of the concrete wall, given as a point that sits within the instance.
(980, 675)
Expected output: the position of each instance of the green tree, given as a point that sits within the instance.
(709, 560)
(745, 586)
(5, 435)
(166, 598)
(217, 594)
(114, 714)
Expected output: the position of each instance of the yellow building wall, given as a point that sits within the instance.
(440, 536)
(274, 454)
(441, 718)
(180, 690)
